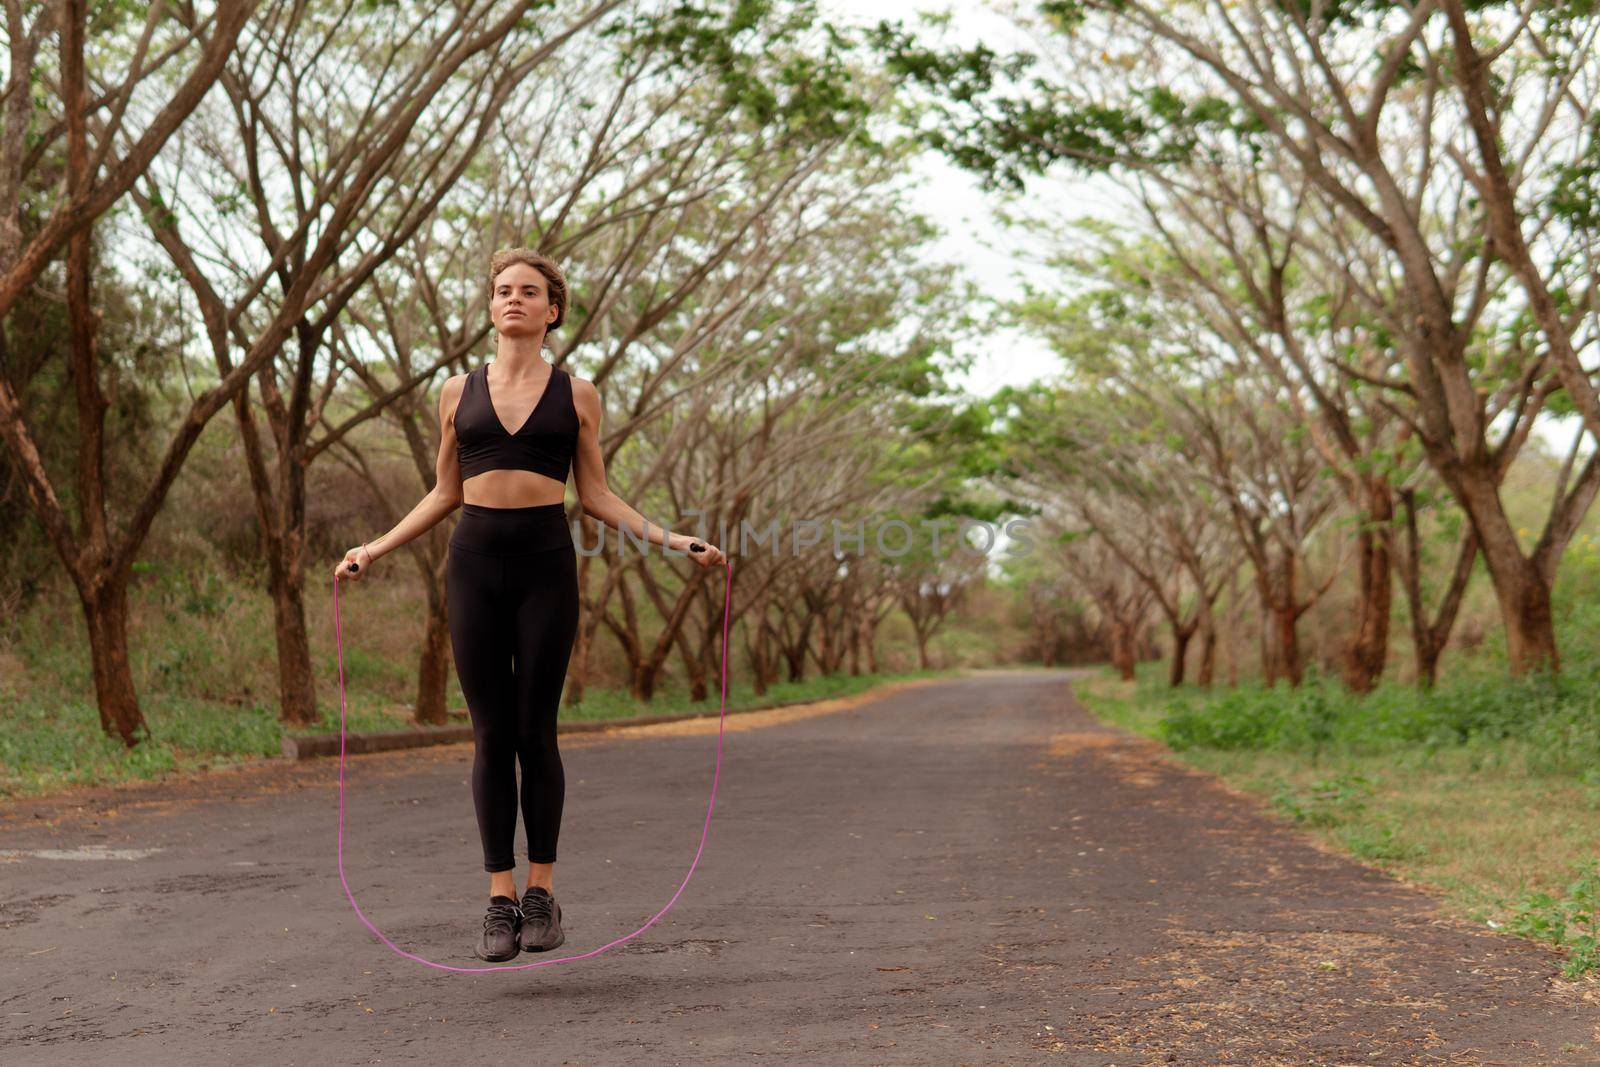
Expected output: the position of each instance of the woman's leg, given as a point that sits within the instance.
(481, 632)
(545, 588)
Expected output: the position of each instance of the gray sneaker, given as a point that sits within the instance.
(541, 920)
(501, 927)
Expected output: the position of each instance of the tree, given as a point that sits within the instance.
(1358, 102)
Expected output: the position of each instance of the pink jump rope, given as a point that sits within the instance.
(727, 595)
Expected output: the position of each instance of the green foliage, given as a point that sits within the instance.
(1401, 783)
(1327, 802)
(1576, 198)
(1004, 128)
(1545, 727)
(48, 746)
(1341, 803)
(763, 55)
(989, 122)
(1381, 841)
(1557, 715)
(1568, 922)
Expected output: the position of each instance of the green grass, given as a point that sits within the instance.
(45, 748)
(49, 747)
(203, 655)
(1487, 791)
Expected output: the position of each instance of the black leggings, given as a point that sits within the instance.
(512, 591)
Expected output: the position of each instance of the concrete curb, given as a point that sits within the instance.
(311, 746)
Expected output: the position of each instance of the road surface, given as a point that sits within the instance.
(964, 871)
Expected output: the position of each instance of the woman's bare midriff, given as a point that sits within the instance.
(512, 489)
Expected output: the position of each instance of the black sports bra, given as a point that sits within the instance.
(545, 443)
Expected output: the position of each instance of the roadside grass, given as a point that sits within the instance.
(1487, 791)
(49, 746)
(204, 660)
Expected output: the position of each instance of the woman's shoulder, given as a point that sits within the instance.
(450, 395)
(583, 391)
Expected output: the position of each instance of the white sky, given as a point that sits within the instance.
(952, 198)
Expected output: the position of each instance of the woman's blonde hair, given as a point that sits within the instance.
(555, 280)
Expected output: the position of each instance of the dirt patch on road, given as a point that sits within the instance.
(1278, 948)
(1135, 760)
(752, 720)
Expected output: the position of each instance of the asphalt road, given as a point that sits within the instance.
(969, 871)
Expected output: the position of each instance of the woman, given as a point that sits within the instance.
(508, 432)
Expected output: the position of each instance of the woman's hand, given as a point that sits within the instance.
(355, 565)
(704, 552)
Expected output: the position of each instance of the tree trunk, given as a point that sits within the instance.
(694, 661)
(646, 675)
(1427, 656)
(1428, 638)
(588, 619)
(796, 660)
(1049, 637)
(1180, 652)
(1267, 634)
(1369, 645)
(1206, 623)
(1122, 657)
(297, 690)
(281, 513)
(1522, 593)
(794, 649)
(106, 614)
(1232, 624)
(760, 664)
(855, 647)
(827, 638)
(1289, 644)
(433, 673)
(1284, 611)
(1208, 654)
(1530, 627)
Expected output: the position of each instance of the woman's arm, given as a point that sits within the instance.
(424, 517)
(440, 501)
(597, 499)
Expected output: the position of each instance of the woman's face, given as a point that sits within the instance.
(519, 304)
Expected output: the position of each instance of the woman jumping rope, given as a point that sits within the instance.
(511, 583)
